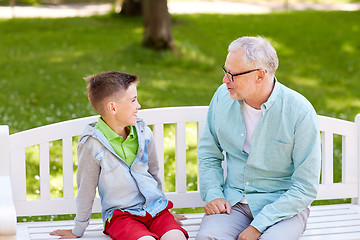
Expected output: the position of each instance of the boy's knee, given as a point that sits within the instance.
(173, 234)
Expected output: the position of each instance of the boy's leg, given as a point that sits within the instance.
(125, 226)
(173, 234)
(165, 224)
(225, 226)
(291, 228)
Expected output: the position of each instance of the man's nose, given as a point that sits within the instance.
(225, 79)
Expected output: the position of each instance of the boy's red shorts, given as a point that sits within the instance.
(126, 226)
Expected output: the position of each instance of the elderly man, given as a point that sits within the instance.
(270, 139)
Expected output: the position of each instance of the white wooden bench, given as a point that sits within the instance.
(341, 221)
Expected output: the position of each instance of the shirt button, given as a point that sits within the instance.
(144, 206)
(247, 183)
(242, 134)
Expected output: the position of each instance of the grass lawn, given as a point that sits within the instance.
(44, 60)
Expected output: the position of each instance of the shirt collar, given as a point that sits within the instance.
(267, 105)
(132, 133)
(106, 130)
(110, 134)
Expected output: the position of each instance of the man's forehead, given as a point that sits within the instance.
(234, 59)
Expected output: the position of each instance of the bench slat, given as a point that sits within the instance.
(44, 171)
(174, 114)
(180, 153)
(18, 177)
(158, 131)
(332, 231)
(200, 129)
(58, 131)
(321, 225)
(327, 158)
(350, 169)
(337, 191)
(68, 181)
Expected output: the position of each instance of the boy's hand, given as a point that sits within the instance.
(178, 218)
(64, 233)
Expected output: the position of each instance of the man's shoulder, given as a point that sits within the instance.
(294, 99)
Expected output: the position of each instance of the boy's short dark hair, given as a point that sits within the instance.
(104, 85)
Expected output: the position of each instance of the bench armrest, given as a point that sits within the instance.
(7, 208)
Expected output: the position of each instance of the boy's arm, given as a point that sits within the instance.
(87, 179)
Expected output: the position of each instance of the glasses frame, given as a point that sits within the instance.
(238, 74)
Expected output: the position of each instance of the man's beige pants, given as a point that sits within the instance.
(228, 226)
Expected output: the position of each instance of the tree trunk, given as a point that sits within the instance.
(131, 8)
(157, 24)
(12, 5)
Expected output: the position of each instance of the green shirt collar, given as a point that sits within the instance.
(109, 133)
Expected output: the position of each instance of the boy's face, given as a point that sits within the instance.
(127, 107)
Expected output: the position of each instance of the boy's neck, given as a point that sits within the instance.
(122, 131)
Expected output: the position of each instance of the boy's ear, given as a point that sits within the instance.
(111, 108)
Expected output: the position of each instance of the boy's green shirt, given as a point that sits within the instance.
(127, 149)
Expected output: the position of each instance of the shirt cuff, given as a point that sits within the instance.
(79, 228)
(261, 222)
(214, 194)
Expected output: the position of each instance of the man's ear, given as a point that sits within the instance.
(261, 75)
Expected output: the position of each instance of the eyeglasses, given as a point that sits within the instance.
(231, 76)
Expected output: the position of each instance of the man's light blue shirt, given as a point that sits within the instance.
(280, 175)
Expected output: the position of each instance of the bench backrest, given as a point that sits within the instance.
(16, 167)
(347, 157)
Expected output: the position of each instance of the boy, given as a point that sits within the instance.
(117, 155)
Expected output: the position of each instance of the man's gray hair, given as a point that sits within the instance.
(259, 53)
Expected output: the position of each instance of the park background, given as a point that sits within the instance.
(44, 60)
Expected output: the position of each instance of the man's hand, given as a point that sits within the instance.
(64, 234)
(250, 233)
(178, 218)
(218, 205)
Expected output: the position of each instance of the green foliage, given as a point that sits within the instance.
(44, 61)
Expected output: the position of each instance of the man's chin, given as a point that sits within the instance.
(234, 96)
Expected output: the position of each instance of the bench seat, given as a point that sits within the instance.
(326, 222)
